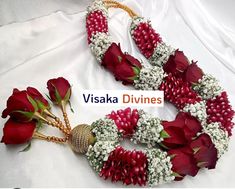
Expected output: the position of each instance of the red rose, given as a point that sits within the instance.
(20, 106)
(176, 63)
(112, 57)
(59, 90)
(205, 152)
(193, 73)
(183, 162)
(180, 131)
(17, 133)
(124, 67)
(37, 96)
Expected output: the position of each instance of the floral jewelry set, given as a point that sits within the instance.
(196, 139)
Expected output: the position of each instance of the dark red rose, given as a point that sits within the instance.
(176, 63)
(59, 90)
(124, 67)
(20, 106)
(181, 131)
(193, 73)
(183, 162)
(205, 152)
(112, 57)
(17, 133)
(37, 96)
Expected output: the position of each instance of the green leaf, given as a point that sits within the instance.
(41, 106)
(119, 58)
(57, 95)
(33, 102)
(133, 78)
(67, 96)
(49, 98)
(136, 70)
(70, 105)
(162, 145)
(164, 134)
(39, 125)
(26, 114)
(176, 174)
(27, 148)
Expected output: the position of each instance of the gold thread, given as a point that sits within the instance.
(115, 4)
(55, 139)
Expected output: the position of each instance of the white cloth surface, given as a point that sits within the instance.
(54, 45)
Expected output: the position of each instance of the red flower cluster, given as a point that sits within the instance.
(96, 22)
(181, 131)
(22, 107)
(126, 120)
(220, 110)
(187, 160)
(146, 39)
(130, 167)
(178, 65)
(124, 67)
(178, 92)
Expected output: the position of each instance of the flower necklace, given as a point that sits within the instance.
(196, 139)
(184, 84)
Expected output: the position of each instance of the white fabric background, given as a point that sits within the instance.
(40, 40)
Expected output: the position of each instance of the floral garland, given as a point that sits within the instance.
(196, 139)
(197, 95)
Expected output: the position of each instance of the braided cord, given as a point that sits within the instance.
(115, 4)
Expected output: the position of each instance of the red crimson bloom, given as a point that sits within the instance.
(183, 162)
(205, 152)
(37, 96)
(193, 73)
(126, 120)
(124, 67)
(127, 166)
(17, 133)
(20, 106)
(59, 90)
(176, 63)
(181, 131)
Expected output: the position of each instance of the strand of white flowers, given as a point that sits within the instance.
(208, 87)
(100, 42)
(99, 153)
(150, 78)
(161, 54)
(105, 130)
(148, 130)
(159, 167)
(218, 136)
(98, 5)
(197, 110)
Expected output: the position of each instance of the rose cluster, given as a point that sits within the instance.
(28, 107)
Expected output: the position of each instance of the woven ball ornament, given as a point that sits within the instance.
(185, 85)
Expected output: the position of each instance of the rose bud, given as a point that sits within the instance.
(176, 63)
(112, 56)
(37, 96)
(20, 106)
(124, 67)
(193, 73)
(181, 131)
(205, 152)
(59, 90)
(17, 133)
(183, 162)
